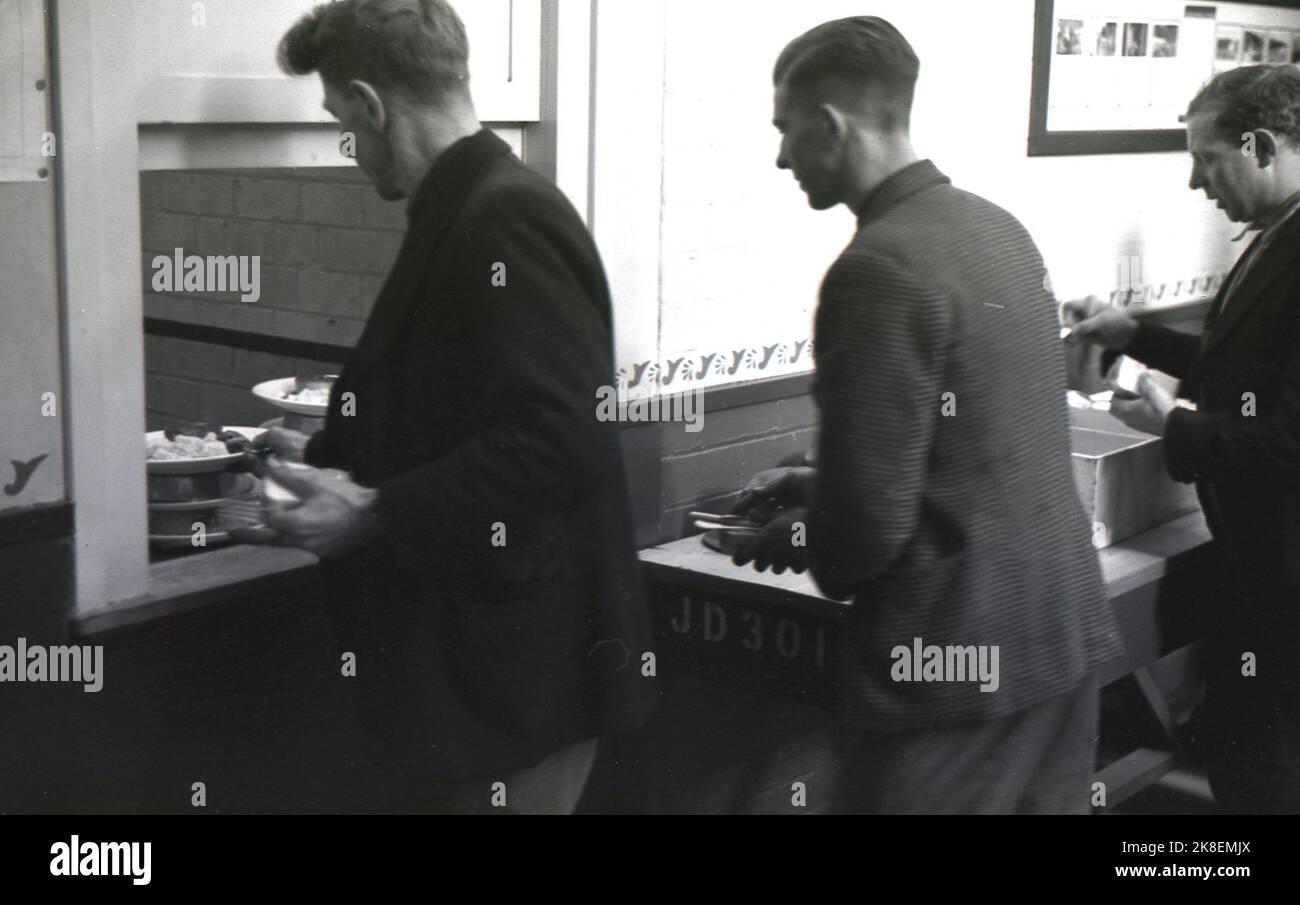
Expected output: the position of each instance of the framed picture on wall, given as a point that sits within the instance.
(1114, 77)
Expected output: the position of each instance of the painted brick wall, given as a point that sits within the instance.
(325, 241)
(324, 238)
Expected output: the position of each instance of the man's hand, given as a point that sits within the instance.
(775, 489)
(288, 445)
(1092, 320)
(779, 545)
(334, 515)
(1150, 411)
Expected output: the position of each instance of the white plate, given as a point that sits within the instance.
(274, 391)
(171, 541)
(199, 466)
(230, 515)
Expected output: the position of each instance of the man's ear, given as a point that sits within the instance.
(376, 112)
(1265, 147)
(833, 122)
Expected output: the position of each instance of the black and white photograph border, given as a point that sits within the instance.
(572, 407)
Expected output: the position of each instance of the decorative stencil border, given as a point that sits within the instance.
(715, 366)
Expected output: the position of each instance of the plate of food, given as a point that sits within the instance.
(300, 395)
(198, 449)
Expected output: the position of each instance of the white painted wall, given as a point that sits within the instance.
(29, 347)
(209, 93)
(215, 61)
(31, 430)
(711, 249)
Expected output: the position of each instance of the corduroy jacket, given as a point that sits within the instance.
(945, 503)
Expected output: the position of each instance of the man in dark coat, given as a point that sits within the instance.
(481, 553)
(943, 501)
(1242, 444)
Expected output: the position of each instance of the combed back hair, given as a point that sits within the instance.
(415, 46)
(1250, 98)
(865, 53)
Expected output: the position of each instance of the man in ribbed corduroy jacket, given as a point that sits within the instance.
(943, 500)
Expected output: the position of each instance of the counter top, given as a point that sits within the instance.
(1124, 566)
(192, 582)
(204, 579)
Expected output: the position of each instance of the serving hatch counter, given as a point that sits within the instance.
(768, 641)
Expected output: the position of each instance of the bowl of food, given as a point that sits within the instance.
(198, 450)
(308, 396)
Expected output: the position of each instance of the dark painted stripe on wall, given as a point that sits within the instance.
(252, 342)
(32, 523)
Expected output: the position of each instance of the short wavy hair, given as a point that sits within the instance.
(861, 49)
(1250, 98)
(415, 46)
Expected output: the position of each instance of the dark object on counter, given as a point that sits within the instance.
(726, 533)
(725, 542)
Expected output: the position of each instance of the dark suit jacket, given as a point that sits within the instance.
(475, 389)
(958, 528)
(1246, 466)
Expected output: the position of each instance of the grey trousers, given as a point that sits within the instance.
(1038, 761)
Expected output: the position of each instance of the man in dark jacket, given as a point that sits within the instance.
(943, 501)
(481, 552)
(1242, 445)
